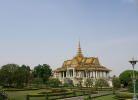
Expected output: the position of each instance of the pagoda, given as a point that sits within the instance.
(80, 67)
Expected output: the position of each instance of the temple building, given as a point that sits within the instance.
(80, 67)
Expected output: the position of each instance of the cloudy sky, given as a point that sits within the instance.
(34, 32)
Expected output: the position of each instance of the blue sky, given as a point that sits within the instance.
(34, 32)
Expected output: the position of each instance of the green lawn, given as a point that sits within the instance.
(108, 97)
(21, 95)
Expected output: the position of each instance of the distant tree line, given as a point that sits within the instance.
(13, 75)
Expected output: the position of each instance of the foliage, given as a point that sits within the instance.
(116, 83)
(26, 73)
(68, 82)
(89, 82)
(101, 83)
(42, 71)
(131, 87)
(126, 77)
(88, 98)
(8, 74)
(37, 81)
(124, 95)
(12, 75)
(80, 83)
(54, 82)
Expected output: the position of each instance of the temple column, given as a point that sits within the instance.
(73, 72)
(92, 74)
(60, 74)
(63, 74)
(98, 74)
(67, 73)
(95, 74)
(89, 74)
(102, 74)
(86, 73)
(107, 74)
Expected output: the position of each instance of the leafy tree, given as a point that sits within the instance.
(12, 75)
(54, 82)
(89, 82)
(42, 71)
(101, 83)
(8, 73)
(126, 77)
(22, 76)
(116, 83)
(27, 75)
(131, 87)
(37, 82)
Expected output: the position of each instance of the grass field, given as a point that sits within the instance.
(21, 95)
(108, 97)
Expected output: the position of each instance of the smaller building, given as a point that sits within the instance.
(80, 67)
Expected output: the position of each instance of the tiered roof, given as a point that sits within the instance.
(79, 62)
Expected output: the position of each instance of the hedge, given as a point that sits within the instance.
(124, 95)
(14, 89)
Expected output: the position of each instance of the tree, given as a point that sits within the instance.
(22, 76)
(101, 83)
(42, 71)
(8, 74)
(37, 82)
(54, 82)
(26, 71)
(126, 77)
(116, 83)
(89, 82)
(12, 75)
(131, 86)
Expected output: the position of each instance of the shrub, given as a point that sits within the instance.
(101, 83)
(88, 98)
(124, 95)
(53, 82)
(89, 82)
(116, 83)
(68, 82)
(58, 90)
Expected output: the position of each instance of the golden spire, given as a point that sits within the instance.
(79, 53)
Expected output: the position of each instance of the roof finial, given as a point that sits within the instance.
(79, 53)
